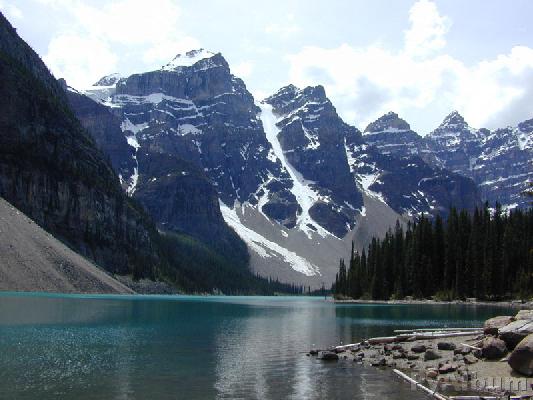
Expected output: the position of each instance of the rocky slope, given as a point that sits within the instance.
(32, 259)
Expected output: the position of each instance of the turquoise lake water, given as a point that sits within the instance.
(187, 347)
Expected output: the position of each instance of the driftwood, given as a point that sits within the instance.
(433, 335)
(470, 346)
(435, 330)
(432, 393)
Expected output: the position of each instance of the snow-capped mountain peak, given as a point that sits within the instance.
(188, 59)
(108, 80)
(389, 122)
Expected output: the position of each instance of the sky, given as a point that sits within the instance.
(419, 58)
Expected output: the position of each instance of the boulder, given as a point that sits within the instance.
(493, 348)
(398, 354)
(327, 356)
(470, 359)
(521, 359)
(446, 368)
(432, 373)
(524, 314)
(379, 362)
(492, 325)
(513, 333)
(418, 348)
(446, 346)
(463, 350)
(431, 355)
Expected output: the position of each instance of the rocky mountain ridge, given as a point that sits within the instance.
(289, 173)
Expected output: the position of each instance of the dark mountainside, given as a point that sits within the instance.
(51, 169)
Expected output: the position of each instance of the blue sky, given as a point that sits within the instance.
(420, 58)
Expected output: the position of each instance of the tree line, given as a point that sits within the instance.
(487, 255)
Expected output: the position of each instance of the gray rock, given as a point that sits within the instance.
(492, 325)
(418, 348)
(432, 373)
(379, 362)
(524, 314)
(514, 332)
(446, 368)
(431, 355)
(446, 346)
(470, 359)
(464, 350)
(521, 359)
(327, 356)
(398, 354)
(493, 348)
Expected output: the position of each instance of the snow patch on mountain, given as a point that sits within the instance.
(264, 247)
(188, 59)
(128, 127)
(301, 189)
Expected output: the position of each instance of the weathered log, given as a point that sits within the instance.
(435, 330)
(432, 393)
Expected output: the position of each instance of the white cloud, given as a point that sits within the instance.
(419, 82)
(427, 31)
(243, 69)
(284, 28)
(149, 33)
(11, 10)
(78, 59)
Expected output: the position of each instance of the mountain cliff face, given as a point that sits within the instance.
(51, 170)
(499, 161)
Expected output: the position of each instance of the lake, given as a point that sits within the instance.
(188, 347)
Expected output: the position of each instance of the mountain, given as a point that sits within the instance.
(51, 170)
(54, 170)
(291, 177)
(498, 161)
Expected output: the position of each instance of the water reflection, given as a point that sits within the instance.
(196, 348)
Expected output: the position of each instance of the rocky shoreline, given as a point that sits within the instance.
(495, 360)
(508, 304)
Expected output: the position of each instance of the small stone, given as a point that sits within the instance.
(470, 359)
(418, 348)
(447, 368)
(412, 357)
(313, 352)
(432, 373)
(446, 346)
(398, 354)
(431, 355)
(463, 350)
(379, 362)
(327, 356)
